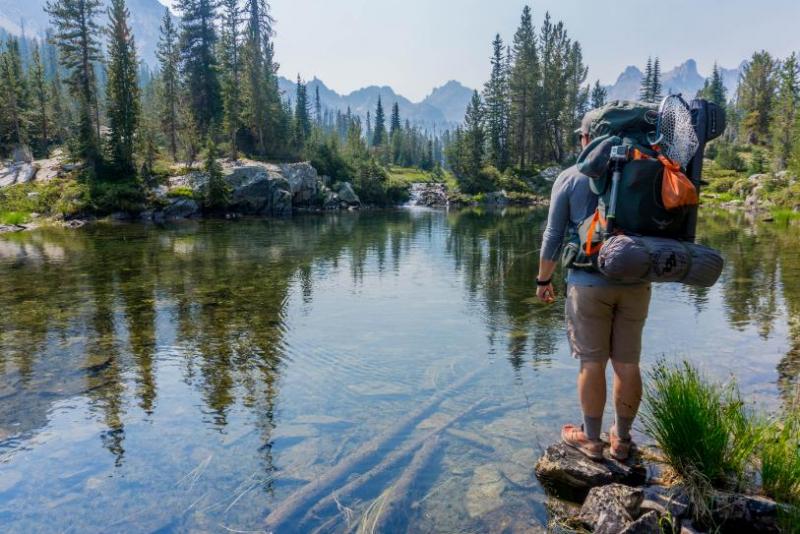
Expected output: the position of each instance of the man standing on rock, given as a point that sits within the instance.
(604, 321)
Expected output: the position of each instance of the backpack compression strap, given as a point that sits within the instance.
(589, 249)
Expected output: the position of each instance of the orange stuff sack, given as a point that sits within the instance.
(677, 190)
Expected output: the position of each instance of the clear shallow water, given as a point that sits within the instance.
(190, 378)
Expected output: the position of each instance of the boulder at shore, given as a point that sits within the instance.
(571, 475)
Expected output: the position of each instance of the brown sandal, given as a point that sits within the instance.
(620, 448)
(575, 437)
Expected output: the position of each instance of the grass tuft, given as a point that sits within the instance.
(779, 455)
(13, 217)
(698, 426)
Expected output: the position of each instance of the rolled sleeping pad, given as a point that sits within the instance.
(659, 259)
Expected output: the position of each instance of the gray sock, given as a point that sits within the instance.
(592, 426)
(623, 426)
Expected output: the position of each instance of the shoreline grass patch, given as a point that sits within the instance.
(701, 428)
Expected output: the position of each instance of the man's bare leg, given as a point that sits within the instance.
(592, 394)
(627, 396)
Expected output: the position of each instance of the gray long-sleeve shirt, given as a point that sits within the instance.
(571, 202)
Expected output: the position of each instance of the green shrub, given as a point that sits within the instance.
(182, 191)
(701, 428)
(60, 196)
(370, 182)
(780, 459)
(14, 217)
(397, 191)
(728, 157)
(111, 196)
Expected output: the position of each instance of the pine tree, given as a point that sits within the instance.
(264, 112)
(645, 90)
(495, 95)
(655, 83)
(396, 134)
(13, 95)
(599, 95)
(198, 40)
(577, 103)
(317, 106)
(394, 123)
(379, 133)
(474, 136)
(302, 119)
(216, 192)
(122, 89)
(41, 99)
(369, 129)
(168, 58)
(714, 88)
(785, 112)
(231, 62)
(524, 83)
(76, 35)
(755, 97)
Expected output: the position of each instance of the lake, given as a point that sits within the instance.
(190, 378)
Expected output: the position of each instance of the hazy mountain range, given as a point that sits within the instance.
(443, 108)
(682, 79)
(146, 18)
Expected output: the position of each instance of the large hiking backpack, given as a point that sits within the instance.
(654, 197)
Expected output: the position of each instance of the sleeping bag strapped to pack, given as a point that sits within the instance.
(636, 164)
(658, 259)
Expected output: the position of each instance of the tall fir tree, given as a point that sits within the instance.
(369, 129)
(645, 90)
(395, 124)
(198, 40)
(714, 88)
(495, 95)
(577, 102)
(474, 135)
(379, 131)
(76, 35)
(265, 113)
(655, 82)
(41, 98)
(317, 106)
(755, 97)
(231, 63)
(599, 95)
(123, 105)
(524, 84)
(302, 118)
(13, 95)
(785, 112)
(396, 137)
(168, 58)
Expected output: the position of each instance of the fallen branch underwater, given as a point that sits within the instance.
(397, 498)
(388, 462)
(300, 499)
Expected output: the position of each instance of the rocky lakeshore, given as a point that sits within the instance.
(611, 497)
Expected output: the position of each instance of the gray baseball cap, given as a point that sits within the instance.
(586, 122)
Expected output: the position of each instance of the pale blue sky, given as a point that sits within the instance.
(414, 45)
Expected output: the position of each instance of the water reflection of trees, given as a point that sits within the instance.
(86, 311)
(499, 254)
(762, 269)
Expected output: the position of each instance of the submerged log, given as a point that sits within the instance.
(301, 499)
(570, 475)
(391, 459)
(397, 500)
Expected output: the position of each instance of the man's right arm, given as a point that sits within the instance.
(553, 238)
